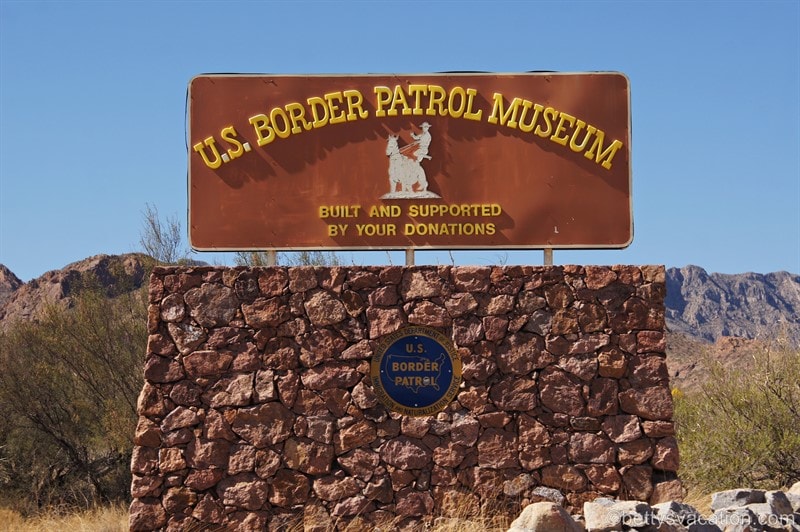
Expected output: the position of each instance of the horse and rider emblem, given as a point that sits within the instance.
(407, 177)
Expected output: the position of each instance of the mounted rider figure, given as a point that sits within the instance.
(420, 144)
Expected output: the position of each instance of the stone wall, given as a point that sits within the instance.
(257, 405)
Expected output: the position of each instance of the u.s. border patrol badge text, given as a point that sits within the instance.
(416, 371)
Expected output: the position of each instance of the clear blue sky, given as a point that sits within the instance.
(92, 110)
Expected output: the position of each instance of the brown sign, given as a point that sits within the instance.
(397, 161)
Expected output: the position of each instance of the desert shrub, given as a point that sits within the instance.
(68, 389)
(741, 429)
(299, 258)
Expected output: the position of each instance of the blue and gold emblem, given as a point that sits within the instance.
(416, 371)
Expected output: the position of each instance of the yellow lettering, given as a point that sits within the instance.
(339, 211)
(417, 91)
(297, 116)
(601, 156)
(506, 117)
(560, 128)
(200, 148)
(261, 125)
(464, 209)
(228, 134)
(384, 211)
(436, 101)
(383, 97)
(526, 105)
(284, 131)
(575, 146)
(446, 229)
(354, 103)
(470, 113)
(334, 99)
(337, 230)
(319, 111)
(462, 101)
(376, 229)
(549, 115)
(399, 99)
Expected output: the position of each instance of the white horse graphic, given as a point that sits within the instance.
(406, 176)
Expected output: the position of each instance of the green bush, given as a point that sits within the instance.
(741, 429)
(68, 389)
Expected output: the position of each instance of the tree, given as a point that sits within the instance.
(162, 240)
(68, 389)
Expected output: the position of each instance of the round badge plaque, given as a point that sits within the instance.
(416, 371)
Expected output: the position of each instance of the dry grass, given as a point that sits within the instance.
(455, 524)
(115, 519)
(700, 500)
(101, 519)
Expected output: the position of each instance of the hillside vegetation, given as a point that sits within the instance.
(739, 429)
(69, 381)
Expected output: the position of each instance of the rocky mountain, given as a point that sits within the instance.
(726, 319)
(748, 305)
(9, 283)
(23, 301)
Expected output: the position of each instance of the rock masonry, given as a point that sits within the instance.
(257, 405)
(738, 510)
